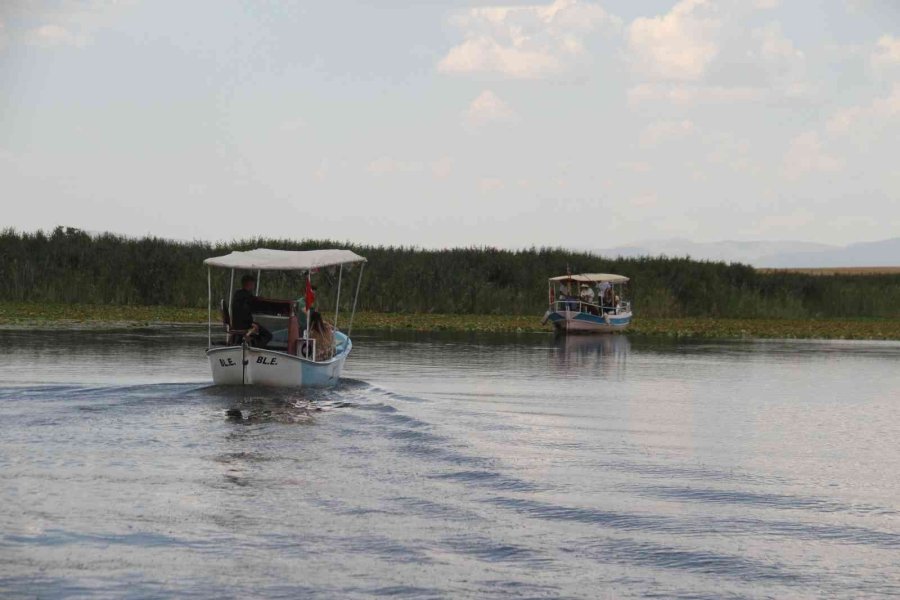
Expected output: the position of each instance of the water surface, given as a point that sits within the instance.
(450, 466)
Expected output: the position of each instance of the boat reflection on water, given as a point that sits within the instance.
(575, 353)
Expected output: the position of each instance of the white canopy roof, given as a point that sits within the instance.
(264, 259)
(592, 278)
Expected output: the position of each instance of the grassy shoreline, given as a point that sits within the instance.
(17, 315)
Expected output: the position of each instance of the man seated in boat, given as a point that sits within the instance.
(242, 304)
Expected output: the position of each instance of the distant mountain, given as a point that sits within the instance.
(885, 253)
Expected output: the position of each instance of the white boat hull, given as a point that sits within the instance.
(245, 365)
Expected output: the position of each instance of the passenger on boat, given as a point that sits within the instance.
(323, 332)
(609, 299)
(601, 291)
(587, 294)
(242, 313)
(565, 295)
(309, 296)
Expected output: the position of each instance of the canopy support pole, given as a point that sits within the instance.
(355, 297)
(337, 302)
(258, 277)
(209, 307)
(306, 305)
(230, 296)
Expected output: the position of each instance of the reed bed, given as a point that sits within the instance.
(71, 266)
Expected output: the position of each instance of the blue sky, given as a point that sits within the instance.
(441, 123)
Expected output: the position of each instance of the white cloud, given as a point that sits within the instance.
(386, 165)
(887, 51)
(321, 173)
(48, 36)
(782, 65)
(292, 125)
(490, 184)
(874, 115)
(487, 55)
(766, 4)
(679, 45)
(727, 150)
(486, 108)
(686, 94)
(774, 47)
(634, 166)
(663, 131)
(525, 42)
(646, 200)
(806, 155)
(703, 51)
(57, 23)
(442, 168)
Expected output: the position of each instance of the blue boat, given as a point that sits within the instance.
(588, 303)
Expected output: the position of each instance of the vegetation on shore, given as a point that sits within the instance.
(68, 278)
(71, 266)
(43, 316)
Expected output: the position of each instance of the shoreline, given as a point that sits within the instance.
(19, 316)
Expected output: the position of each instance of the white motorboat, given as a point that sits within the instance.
(588, 303)
(291, 358)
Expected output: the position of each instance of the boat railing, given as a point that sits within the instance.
(575, 305)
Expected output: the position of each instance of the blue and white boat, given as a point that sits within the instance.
(588, 303)
(291, 359)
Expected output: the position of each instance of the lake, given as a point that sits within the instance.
(452, 466)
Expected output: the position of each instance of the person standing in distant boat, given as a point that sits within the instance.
(601, 291)
(611, 298)
(242, 313)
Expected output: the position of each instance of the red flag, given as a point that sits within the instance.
(310, 295)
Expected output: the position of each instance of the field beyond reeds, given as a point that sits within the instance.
(19, 315)
(834, 270)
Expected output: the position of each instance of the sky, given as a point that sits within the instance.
(444, 123)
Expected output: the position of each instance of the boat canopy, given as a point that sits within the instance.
(592, 278)
(265, 259)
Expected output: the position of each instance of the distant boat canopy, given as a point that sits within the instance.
(265, 259)
(591, 278)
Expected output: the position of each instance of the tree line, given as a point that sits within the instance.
(68, 265)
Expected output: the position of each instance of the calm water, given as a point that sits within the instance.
(452, 467)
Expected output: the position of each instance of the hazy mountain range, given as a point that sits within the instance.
(885, 253)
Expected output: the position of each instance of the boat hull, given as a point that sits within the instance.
(567, 321)
(245, 365)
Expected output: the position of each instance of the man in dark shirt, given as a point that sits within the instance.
(242, 312)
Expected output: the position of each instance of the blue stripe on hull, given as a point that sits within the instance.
(588, 322)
